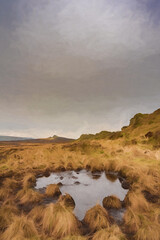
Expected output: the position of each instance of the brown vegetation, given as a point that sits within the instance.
(21, 228)
(53, 190)
(133, 154)
(67, 200)
(112, 202)
(97, 218)
(110, 233)
(59, 221)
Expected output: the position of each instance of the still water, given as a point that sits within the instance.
(86, 188)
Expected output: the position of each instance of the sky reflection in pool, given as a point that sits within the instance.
(86, 188)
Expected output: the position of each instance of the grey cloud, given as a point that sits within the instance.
(71, 67)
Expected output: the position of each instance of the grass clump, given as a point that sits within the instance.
(53, 190)
(136, 201)
(29, 181)
(148, 231)
(29, 196)
(21, 228)
(7, 213)
(75, 238)
(111, 233)
(112, 202)
(36, 214)
(67, 200)
(59, 221)
(97, 218)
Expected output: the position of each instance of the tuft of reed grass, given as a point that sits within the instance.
(59, 221)
(67, 200)
(29, 181)
(75, 238)
(29, 196)
(97, 218)
(21, 228)
(7, 213)
(112, 202)
(10, 183)
(137, 201)
(36, 214)
(148, 231)
(53, 190)
(132, 221)
(111, 233)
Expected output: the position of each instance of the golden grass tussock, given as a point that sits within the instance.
(11, 183)
(75, 238)
(4, 193)
(132, 221)
(52, 190)
(110, 233)
(148, 231)
(145, 226)
(29, 196)
(59, 221)
(7, 213)
(112, 202)
(29, 181)
(67, 200)
(97, 218)
(20, 228)
(36, 214)
(137, 201)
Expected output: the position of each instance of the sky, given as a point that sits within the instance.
(69, 67)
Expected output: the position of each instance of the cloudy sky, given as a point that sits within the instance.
(69, 67)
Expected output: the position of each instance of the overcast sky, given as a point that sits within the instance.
(69, 67)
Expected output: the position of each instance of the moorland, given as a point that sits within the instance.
(133, 153)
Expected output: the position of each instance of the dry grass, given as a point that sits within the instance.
(59, 221)
(67, 200)
(75, 238)
(36, 214)
(111, 233)
(112, 202)
(148, 231)
(139, 164)
(145, 226)
(21, 228)
(29, 196)
(97, 218)
(136, 201)
(7, 213)
(29, 181)
(53, 190)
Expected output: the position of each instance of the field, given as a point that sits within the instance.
(134, 153)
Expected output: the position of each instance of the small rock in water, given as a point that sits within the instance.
(77, 183)
(75, 177)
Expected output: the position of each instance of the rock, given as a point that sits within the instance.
(77, 183)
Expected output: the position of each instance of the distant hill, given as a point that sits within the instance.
(54, 139)
(144, 128)
(12, 138)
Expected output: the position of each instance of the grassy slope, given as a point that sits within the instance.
(128, 152)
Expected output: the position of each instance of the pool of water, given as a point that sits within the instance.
(86, 188)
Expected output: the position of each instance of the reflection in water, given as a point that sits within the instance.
(86, 188)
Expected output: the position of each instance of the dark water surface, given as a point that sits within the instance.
(86, 188)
